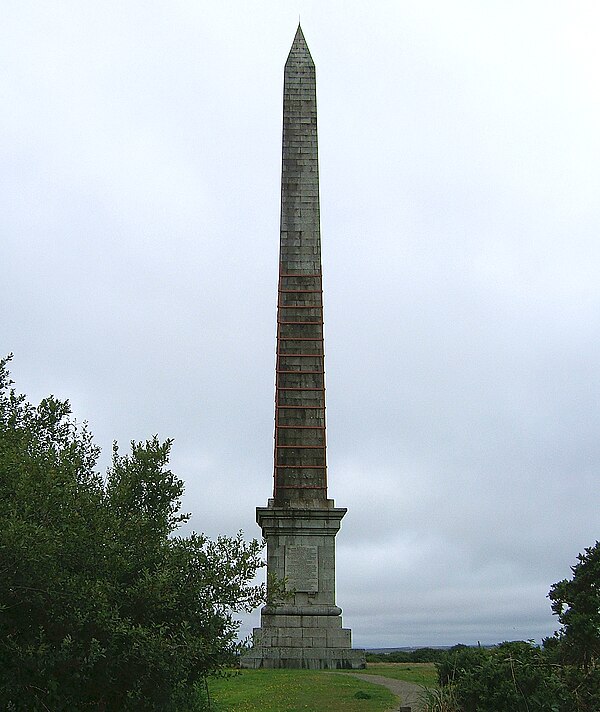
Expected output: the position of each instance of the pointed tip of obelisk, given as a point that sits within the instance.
(299, 46)
(299, 36)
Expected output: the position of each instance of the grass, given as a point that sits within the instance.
(420, 673)
(297, 691)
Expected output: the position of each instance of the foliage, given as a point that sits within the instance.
(512, 677)
(459, 659)
(420, 655)
(563, 676)
(576, 602)
(576, 646)
(440, 699)
(102, 606)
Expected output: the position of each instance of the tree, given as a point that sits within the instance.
(576, 602)
(576, 646)
(102, 605)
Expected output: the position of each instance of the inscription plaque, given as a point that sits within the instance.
(302, 568)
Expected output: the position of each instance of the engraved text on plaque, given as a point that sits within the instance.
(302, 568)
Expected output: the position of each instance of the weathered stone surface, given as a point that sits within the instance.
(312, 658)
(300, 455)
(300, 523)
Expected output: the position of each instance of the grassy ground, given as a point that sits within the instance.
(420, 673)
(297, 691)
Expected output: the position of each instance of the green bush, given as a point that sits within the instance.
(576, 602)
(397, 657)
(420, 655)
(459, 661)
(512, 677)
(102, 606)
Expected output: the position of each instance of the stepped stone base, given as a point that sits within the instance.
(302, 658)
(306, 630)
(303, 641)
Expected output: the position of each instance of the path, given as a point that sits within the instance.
(408, 692)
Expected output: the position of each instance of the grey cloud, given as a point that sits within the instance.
(458, 156)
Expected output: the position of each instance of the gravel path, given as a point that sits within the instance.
(408, 692)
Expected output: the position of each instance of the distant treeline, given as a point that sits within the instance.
(420, 655)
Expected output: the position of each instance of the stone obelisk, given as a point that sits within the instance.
(304, 629)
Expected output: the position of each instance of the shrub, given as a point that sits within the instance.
(102, 606)
(512, 677)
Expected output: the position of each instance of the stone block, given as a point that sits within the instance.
(339, 638)
(322, 622)
(314, 636)
(271, 621)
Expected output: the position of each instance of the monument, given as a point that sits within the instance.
(299, 524)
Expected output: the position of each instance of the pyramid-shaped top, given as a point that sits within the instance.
(299, 51)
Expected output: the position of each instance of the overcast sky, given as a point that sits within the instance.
(140, 149)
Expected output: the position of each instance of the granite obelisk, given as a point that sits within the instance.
(299, 524)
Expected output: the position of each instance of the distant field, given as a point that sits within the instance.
(420, 673)
(297, 691)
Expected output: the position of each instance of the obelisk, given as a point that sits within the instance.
(299, 524)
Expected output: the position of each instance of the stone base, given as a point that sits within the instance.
(304, 658)
(303, 641)
(305, 629)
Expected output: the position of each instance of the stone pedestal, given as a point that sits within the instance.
(305, 630)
